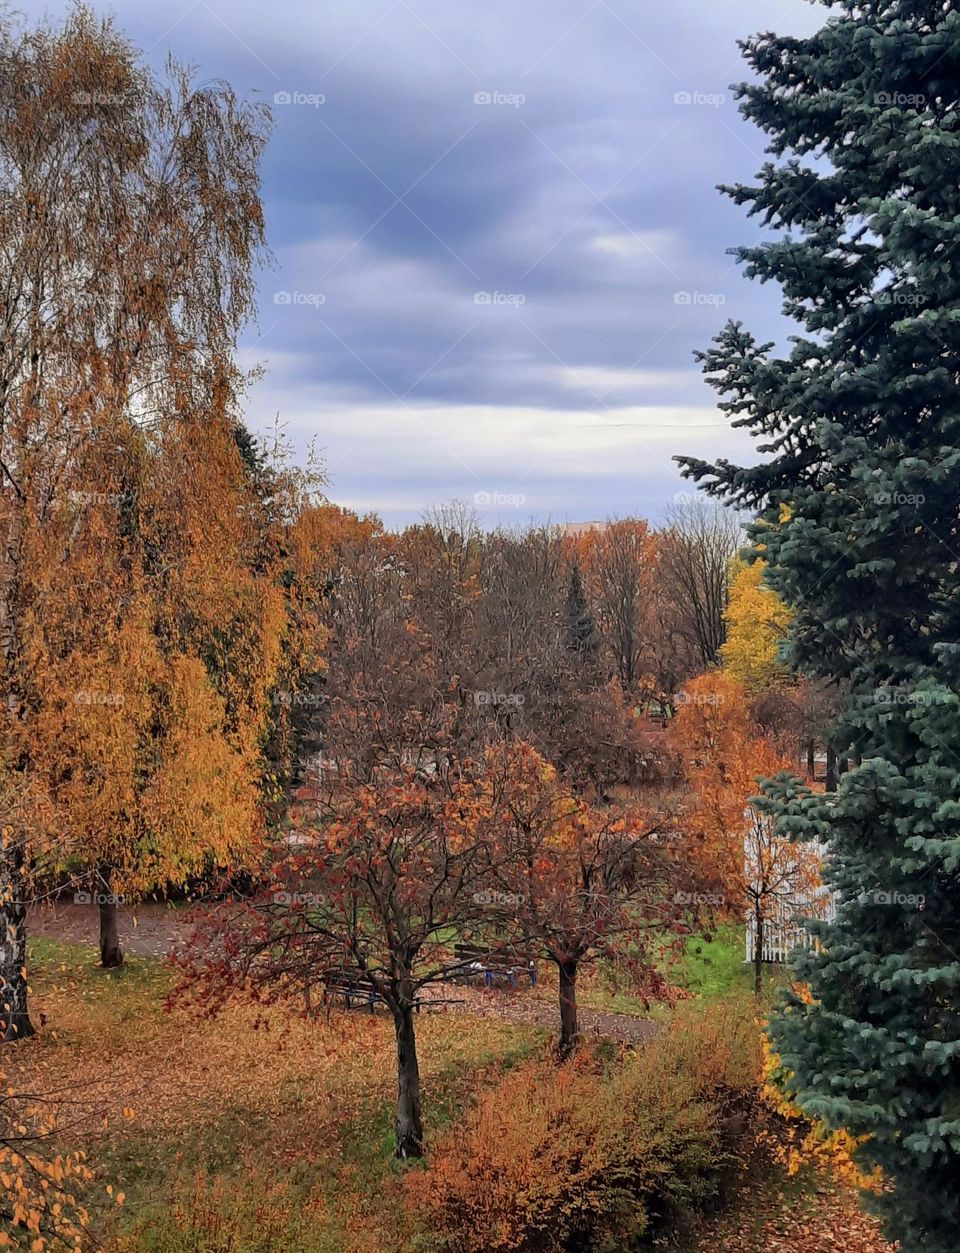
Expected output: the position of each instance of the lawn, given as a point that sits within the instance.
(709, 968)
(256, 1133)
(242, 1133)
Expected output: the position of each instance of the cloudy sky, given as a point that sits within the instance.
(497, 237)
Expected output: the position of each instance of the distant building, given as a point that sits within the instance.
(580, 528)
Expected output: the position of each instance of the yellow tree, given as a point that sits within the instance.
(757, 621)
(131, 223)
(152, 703)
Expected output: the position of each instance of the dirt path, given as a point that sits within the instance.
(155, 930)
(150, 930)
(521, 1007)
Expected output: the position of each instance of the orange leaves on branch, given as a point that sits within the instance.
(37, 1189)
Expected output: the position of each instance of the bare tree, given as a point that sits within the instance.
(619, 577)
(697, 544)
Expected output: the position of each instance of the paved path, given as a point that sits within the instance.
(149, 930)
(155, 930)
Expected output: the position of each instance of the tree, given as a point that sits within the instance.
(130, 224)
(757, 621)
(694, 552)
(618, 564)
(135, 729)
(782, 879)
(399, 862)
(752, 870)
(713, 737)
(581, 630)
(582, 883)
(859, 419)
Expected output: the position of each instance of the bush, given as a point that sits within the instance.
(579, 1156)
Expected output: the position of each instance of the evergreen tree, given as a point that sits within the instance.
(581, 630)
(859, 518)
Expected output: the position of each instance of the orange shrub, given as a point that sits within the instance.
(566, 1158)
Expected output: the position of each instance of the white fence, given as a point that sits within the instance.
(781, 937)
(785, 931)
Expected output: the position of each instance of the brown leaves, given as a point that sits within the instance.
(772, 1217)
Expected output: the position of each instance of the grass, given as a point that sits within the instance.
(713, 967)
(261, 1133)
(709, 969)
(248, 1133)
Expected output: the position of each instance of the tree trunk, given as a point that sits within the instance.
(15, 1022)
(569, 1028)
(811, 761)
(758, 938)
(110, 953)
(831, 770)
(408, 1123)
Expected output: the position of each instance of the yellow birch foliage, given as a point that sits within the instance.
(38, 1192)
(154, 647)
(757, 620)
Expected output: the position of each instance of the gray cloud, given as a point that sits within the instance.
(497, 235)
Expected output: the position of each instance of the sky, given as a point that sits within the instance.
(497, 238)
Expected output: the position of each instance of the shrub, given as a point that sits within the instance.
(574, 1157)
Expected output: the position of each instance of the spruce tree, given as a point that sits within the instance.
(858, 512)
(581, 630)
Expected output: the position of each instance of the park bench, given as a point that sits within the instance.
(353, 985)
(474, 959)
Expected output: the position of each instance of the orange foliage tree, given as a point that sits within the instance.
(151, 704)
(131, 225)
(369, 899)
(733, 841)
(579, 883)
